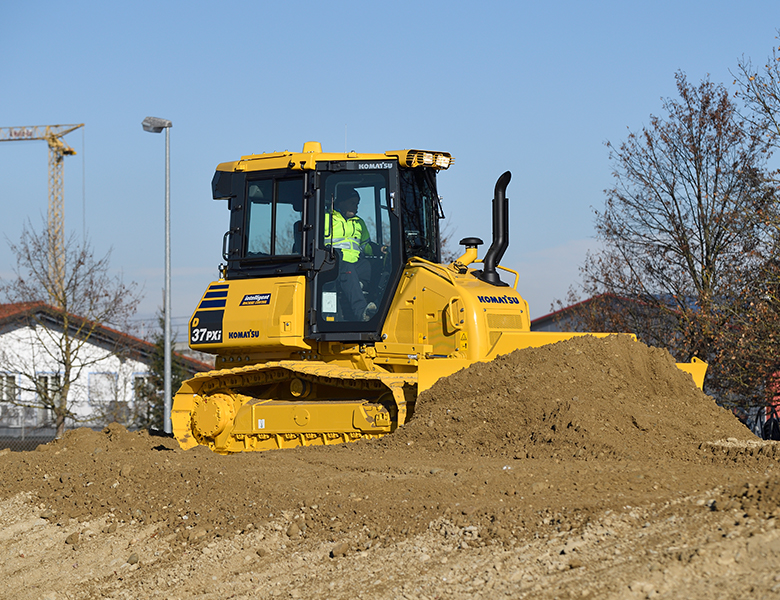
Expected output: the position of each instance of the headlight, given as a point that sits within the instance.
(423, 158)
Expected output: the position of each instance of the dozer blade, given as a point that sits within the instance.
(697, 368)
(288, 403)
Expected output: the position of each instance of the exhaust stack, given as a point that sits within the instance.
(500, 233)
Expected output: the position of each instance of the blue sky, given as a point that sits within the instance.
(534, 88)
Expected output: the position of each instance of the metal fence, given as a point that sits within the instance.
(21, 439)
(18, 441)
(25, 428)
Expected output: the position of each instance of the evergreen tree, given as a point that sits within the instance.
(150, 393)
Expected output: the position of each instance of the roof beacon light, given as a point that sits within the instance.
(442, 161)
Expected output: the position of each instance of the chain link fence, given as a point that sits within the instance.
(25, 428)
(20, 440)
(26, 441)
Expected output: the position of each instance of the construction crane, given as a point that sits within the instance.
(58, 149)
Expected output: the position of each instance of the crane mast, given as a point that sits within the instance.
(58, 149)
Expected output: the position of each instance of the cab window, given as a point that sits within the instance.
(419, 203)
(274, 213)
(356, 228)
(373, 208)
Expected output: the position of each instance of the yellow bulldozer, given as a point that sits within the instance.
(321, 339)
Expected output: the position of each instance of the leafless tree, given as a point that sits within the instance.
(70, 308)
(684, 227)
(754, 361)
(449, 251)
(759, 89)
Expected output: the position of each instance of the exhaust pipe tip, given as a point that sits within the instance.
(500, 232)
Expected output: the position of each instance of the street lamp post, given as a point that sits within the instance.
(155, 125)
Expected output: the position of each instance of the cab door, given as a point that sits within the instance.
(379, 264)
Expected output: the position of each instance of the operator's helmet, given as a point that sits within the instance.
(345, 194)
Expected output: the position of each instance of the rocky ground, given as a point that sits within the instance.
(587, 469)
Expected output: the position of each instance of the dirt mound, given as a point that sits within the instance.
(86, 473)
(587, 469)
(585, 397)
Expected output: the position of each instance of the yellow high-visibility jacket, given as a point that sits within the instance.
(349, 235)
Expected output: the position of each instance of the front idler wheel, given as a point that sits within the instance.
(212, 414)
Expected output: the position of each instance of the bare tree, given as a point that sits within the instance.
(753, 362)
(449, 251)
(759, 89)
(684, 227)
(69, 309)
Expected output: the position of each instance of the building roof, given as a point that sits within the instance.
(568, 315)
(561, 311)
(9, 311)
(547, 322)
(21, 313)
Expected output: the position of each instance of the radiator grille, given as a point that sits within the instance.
(504, 321)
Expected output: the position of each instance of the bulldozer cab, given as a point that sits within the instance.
(289, 222)
(398, 219)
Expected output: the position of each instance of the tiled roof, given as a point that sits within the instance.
(18, 311)
(11, 310)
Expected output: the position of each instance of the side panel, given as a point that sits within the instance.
(459, 315)
(250, 315)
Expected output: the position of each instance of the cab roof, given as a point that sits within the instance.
(312, 153)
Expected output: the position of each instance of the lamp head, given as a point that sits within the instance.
(155, 125)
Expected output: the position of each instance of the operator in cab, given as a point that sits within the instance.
(349, 235)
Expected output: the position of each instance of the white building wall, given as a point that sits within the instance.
(104, 380)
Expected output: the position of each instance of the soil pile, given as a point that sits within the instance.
(592, 468)
(582, 398)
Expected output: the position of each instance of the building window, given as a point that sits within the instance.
(107, 399)
(29, 414)
(48, 387)
(45, 417)
(48, 390)
(10, 415)
(9, 391)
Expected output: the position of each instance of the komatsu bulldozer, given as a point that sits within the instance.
(296, 363)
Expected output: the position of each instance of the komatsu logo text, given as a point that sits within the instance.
(498, 300)
(255, 299)
(382, 165)
(238, 335)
